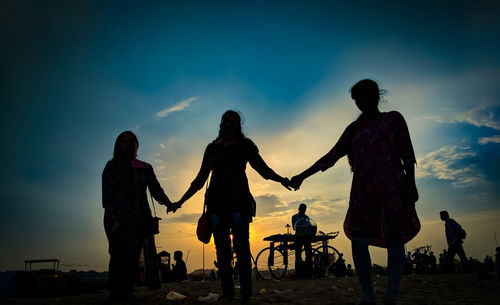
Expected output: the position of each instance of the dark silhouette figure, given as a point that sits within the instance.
(302, 241)
(433, 262)
(179, 270)
(497, 261)
(454, 238)
(383, 193)
(127, 217)
(228, 199)
(340, 267)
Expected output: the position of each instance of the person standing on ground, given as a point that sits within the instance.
(302, 240)
(128, 222)
(383, 193)
(230, 204)
(454, 237)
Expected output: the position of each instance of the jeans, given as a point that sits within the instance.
(236, 223)
(395, 265)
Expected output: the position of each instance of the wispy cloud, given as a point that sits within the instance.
(446, 164)
(177, 107)
(486, 140)
(481, 115)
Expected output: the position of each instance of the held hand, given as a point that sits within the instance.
(296, 182)
(286, 183)
(172, 207)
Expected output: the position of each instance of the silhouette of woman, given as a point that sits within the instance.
(127, 217)
(383, 193)
(229, 201)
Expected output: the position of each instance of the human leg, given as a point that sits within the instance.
(363, 265)
(220, 226)
(298, 258)
(240, 228)
(395, 267)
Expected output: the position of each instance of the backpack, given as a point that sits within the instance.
(459, 231)
(305, 226)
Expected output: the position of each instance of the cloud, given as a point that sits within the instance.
(177, 107)
(486, 140)
(447, 163)
(481, 115)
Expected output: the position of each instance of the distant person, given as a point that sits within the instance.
(303, 236)
(340, 267)
(127, 217)
(179, 270)
(454, 237)
(497, 262)
(433, 262)
(383, 193)
(229, 202)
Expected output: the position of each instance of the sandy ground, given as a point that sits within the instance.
(416, 289)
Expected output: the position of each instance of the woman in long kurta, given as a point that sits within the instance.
(228, 199)
(383, 193)
(127, 216)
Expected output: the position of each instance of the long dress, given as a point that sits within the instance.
(378, 150)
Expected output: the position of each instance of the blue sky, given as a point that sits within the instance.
(75, 74)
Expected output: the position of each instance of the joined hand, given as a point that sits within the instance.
(296, 182)
(286, 183)
(173, 207)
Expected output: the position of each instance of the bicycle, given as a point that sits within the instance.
(275, 258)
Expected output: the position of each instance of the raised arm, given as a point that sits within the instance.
(200, 179)
(338, 151)
(263, 169)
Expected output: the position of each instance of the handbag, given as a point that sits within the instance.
(204, 229)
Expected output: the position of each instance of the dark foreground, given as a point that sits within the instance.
(436, 289)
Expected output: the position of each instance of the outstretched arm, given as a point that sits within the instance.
(156, 189)
(338, 151)
(198, 182)
(266, 172)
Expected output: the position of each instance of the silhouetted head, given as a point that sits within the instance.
(366, 94)
(230, 126)
(126, 146)
(497, 249)
(302, 208)
(177, 255)
(444, 215)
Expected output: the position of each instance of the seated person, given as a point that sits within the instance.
(179, 270)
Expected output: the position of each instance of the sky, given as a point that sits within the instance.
(74, 74)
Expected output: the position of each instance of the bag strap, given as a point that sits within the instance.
(152, 202)
(206, 190)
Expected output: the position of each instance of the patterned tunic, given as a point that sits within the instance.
(378, 151)
(130, 204)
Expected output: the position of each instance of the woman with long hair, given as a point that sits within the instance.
(228, 199)
(127, 216)
(383, 193)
